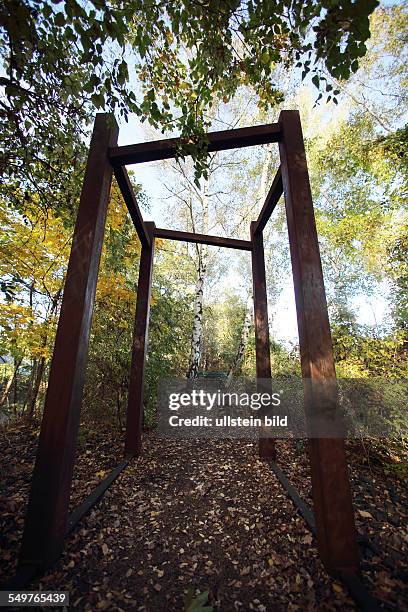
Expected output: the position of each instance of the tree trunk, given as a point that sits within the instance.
(243, 343)
(261, 196)
(34, 363)
(36, 387)
(42, 362)
(196, 336)
(10, 382)
(30, 388)
(15, 390)
(118, 412)
(197, 332)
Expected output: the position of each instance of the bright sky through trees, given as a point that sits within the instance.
(355, 147)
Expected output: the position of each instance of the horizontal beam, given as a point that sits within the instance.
(128, 194)
(93, 498)
(26, 573)
(217, 141)
(357, 589)
(271, 201)
(229, 243)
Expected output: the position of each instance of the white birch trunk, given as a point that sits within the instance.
(197, 331)
(243, 343)
(261, 196)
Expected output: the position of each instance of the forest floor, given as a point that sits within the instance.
(204, 515)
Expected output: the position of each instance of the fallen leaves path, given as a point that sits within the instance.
(207, 514)
(202, 514)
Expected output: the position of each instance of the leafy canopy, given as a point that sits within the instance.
(61, 56)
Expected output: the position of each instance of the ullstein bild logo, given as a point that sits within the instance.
(228, 421)
(285, 407)
(205, 408)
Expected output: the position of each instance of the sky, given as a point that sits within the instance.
(370, 311)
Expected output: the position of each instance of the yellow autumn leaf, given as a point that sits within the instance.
(365, 514)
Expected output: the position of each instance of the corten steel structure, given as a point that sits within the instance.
(47, 515)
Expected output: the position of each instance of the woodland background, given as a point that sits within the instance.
(183, 68)
(201, 315)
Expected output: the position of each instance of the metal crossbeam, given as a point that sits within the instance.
(128, 194)
(220, 241)
(271, 201)
(217, 141)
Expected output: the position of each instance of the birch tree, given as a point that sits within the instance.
(193, 208)
(262, 191)
(201, 259)
(243, 342)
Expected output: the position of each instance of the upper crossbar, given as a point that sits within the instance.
(229, 243)
(217, 141)
(128, 194)
(271, 201)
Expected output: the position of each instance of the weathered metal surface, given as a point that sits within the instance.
(93, 498)
(262, 348)
(229, 243)
(331, 490)
(128, 194)
(134, 419)
(47, 511)
(26, 573)
(357, 589)
(217, 141)
(271, 201)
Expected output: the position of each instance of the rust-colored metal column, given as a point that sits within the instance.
(336, 534)
(262, 348)
(134, 422)
(47, 511)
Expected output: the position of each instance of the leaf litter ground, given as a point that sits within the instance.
(207, 515)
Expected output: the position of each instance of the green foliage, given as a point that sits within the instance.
(62, 58)
(359, 179)
(34, 254)
(358, 170)
(107, 375)
(170, 324)
(284, 362)
(198, 603)
(42, 110)
(32, 267)
(398, 270)
(359, 354)
(222, 327)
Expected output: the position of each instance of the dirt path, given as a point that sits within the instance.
(207, 515)
(204, 514)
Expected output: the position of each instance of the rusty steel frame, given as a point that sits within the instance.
(134, 417)
(336, 533)
(267, 447)
(217, 141)
(271, 201)
(47, 512)
(229, 243)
